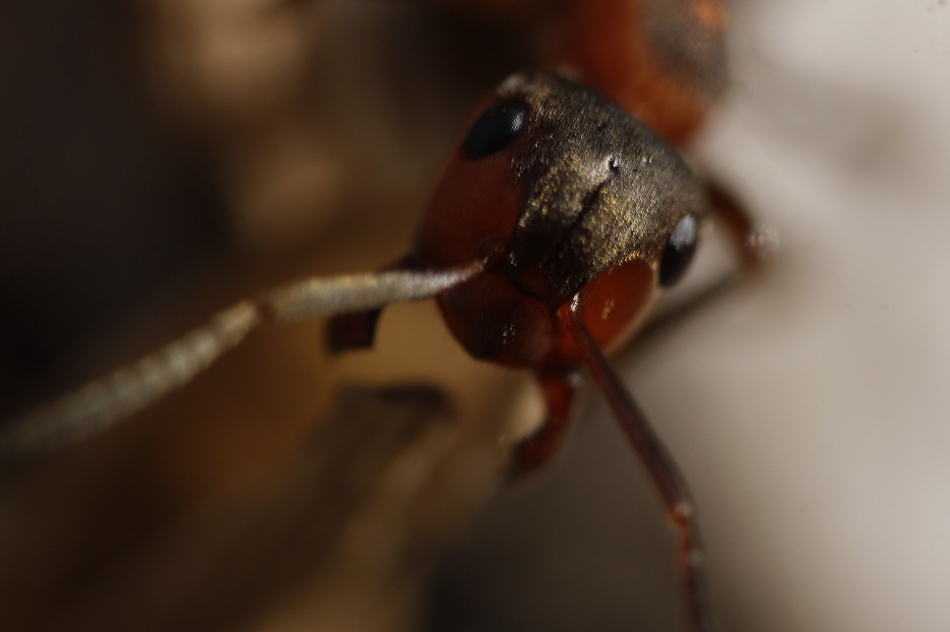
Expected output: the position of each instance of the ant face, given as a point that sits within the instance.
(565, 193)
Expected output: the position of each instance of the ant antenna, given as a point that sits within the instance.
(100, 404)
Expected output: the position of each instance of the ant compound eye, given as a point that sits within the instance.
(494, 129)
(679, 250)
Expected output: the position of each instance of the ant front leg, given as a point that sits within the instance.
(536, 450)
(357, 330)
(754, 242)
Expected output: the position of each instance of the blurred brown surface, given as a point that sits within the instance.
(339, 536)
(162, 159)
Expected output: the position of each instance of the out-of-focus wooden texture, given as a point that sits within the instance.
(339, 536)
(168, 157)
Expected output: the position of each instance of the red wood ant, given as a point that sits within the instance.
(554, 227)
(556, 224)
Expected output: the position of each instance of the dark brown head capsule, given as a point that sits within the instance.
(571, 194)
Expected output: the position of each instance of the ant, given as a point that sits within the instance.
(557, 223)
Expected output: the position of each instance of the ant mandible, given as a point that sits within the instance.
(557, 223)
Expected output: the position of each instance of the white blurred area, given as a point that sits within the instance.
(825, 420)
(808, 410)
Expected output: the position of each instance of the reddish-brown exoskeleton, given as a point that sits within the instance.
(580, 215)
(557, 222)
(663, 60)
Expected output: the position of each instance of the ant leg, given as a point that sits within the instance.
(660, 466)
(356, 330)
(102, 403)
(347, 332)
(536, 450)
(753, 241)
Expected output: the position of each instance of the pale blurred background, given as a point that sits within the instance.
(809, 412)
(165, 157)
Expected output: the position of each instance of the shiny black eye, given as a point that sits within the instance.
(494, 129)
(679, 250)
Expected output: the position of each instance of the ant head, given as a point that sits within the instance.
(601, 189)
(566, 189)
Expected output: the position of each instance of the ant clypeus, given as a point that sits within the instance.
(557, 223)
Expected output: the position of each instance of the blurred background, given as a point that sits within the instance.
(164, 158)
